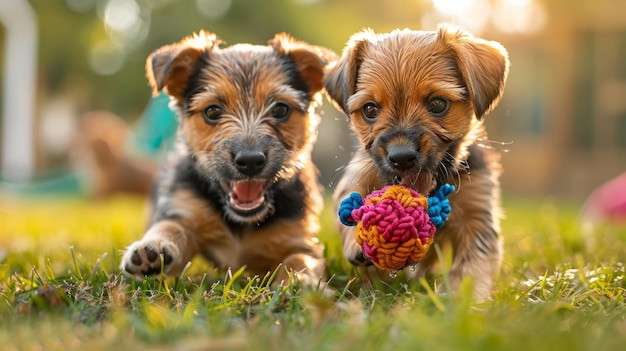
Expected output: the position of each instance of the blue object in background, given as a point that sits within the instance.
(152, 135)
(155, 131)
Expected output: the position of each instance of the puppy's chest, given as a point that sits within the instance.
(258, 249)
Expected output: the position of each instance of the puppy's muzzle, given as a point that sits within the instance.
(250, 162)
(248, 195)
(402, 157)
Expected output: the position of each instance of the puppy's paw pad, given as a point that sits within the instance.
(144, 257)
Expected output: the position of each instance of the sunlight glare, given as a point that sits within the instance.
(518, 3)
(452, 7)
(473, 15)
(509, 17)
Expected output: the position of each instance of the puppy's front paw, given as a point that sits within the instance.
(353, 253)
(144, 257)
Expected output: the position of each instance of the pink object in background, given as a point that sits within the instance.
(607, 202)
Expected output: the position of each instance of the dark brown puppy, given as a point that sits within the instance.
(416, 100)
(240, 188)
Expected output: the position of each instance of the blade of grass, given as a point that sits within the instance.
(229, 282)
(269, 278)
(75, 260)
(35, 274)
(244, 291)
(272, 306)
(178, 286)
(433, 296)
(444, 268)
(346, 288)
(166, 288)
(51, 275)
(96, 266)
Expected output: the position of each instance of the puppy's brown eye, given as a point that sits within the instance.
(212, 114)
(281, 110)
(438, 106)
(370, 112)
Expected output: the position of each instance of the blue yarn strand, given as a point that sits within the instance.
(348, 204)
(439, 205)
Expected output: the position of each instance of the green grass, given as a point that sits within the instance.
(60, 289)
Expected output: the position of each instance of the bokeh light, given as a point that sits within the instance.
(124, 22)
(121, 15)
(81, 6)
(525, 17)
(105, 58)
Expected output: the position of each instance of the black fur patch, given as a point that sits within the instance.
(296, 81)
(194, 85)
(477, 159)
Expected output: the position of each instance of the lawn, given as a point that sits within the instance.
(60, 289)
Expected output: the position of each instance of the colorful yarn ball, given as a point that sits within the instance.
(395, 225)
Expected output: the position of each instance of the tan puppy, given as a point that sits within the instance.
(416, 100)
(240, 189)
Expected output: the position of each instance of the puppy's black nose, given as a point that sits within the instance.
(250, 162)
(402, 157)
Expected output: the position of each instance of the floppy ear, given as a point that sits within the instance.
(310, 60)
(170, 67)
(341, 77)
(484, 66)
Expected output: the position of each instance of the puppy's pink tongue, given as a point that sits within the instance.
(247, 194)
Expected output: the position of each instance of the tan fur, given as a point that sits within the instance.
(402, 72)
(194, 213)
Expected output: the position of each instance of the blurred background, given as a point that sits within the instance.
(561, 123)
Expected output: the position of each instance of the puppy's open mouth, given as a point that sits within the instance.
(246, 195)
